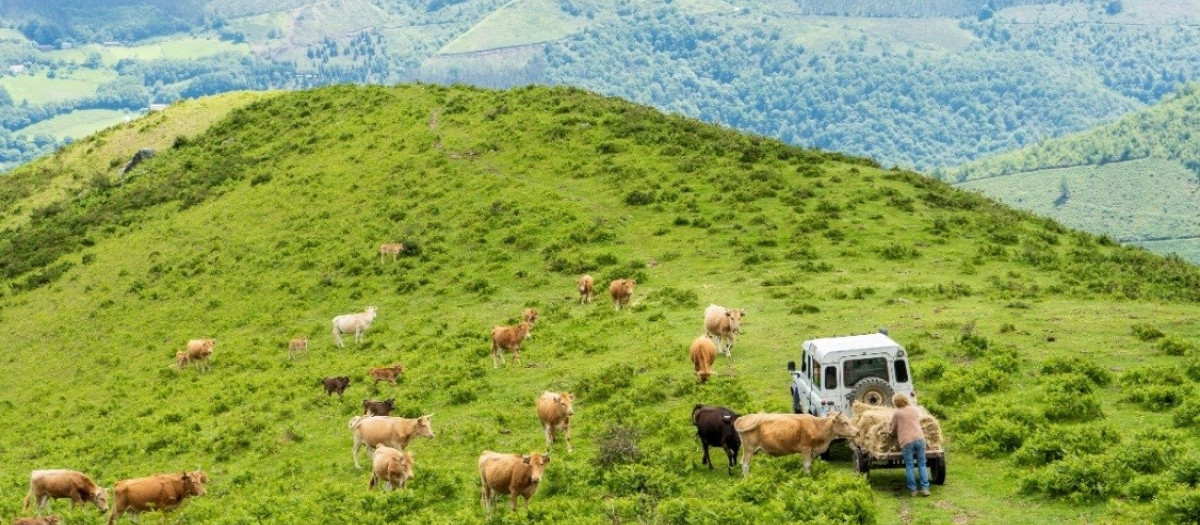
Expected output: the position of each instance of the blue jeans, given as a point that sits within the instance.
(916, 448)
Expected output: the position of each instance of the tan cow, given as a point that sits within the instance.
(296, 346)
(392, 467)
(394, 432)
(530, 315)
(723, 324)
(621, 291)
(386, 373)
(353, 323)
(390, 249)
(511, 474)
(509, 338)
(45, 485)
(46, 520)
(198, 351)
(704, 353)
(555, 411)
(784, 434)
(162, 492)
(586, 285)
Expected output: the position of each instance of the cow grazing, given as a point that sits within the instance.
(392, 467)
(198, 351)
(353, 323)
(621, 291)
(393, 249)
(704, 354)
(378, 408)
(509, 338)
(394, 432)
(555, 411)
(511, 474)
(530, 315)
(45, 485)
(722, 324)
(586, 286)
(386, 373)
(40, 520)
(336, 385)
(296, 346)
(162, 492)
(783, 434)
(714, 427)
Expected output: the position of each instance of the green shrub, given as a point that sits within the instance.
(1186, 469)
(1062, 365)
(1187, 414)
(1148, 452)
(992, 430)
(1050, 444)
(1179, 506)
(618, 446)
(929, 370)
(1004, 359)
(1175, 347)
(1068, 406)
(1146, 332)
(1145, 487)
(1079, 479)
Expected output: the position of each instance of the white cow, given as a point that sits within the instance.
(357, 323)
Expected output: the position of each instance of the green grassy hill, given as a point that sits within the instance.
(1060, 362)
(1135, 179)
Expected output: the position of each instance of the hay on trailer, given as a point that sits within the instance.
(873, 422)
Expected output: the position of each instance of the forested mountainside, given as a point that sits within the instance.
(1063, 366)
(919, 84)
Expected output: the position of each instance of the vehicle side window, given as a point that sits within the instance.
(901, 371)
(858, 369)
(830, 377)
(804, 361)
(815, 374)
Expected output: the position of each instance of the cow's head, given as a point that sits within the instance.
(537, 463)
(735, 318)
(370, 310)
(424, 426)
(406, 465)
(390, 403)
(100, 498)
(193, 482)
(567, 401)
(842, 427)
(524, 329)
(343, 382)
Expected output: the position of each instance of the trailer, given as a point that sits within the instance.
(865, 460)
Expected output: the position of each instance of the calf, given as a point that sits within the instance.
(509, 338)
(394, 432)
(386, 373)
(45, 485)
(530, 315)
(296, 346)
(353, 323)
(586, 285)
(162, 492)
(703, 353)
(723, 324)
(621, 291)
(554, 411)
(511, 474)
(378, 408)
(393, 249)
(197, 351)
(783, 434)
(46, 520)
(336, 384)
(392, 467)
(714, 427)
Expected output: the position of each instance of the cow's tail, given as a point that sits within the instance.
(28, 498)
(355, 422)
(694, 410)
(745, 423)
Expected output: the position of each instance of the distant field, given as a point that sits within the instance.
(175, 47)
(940, 33)
(78, 124)
(11, 34)
(1113, 198)
(1187, 249)
(38, 89)
(519, 23)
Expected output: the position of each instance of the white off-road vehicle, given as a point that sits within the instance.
(834, 372)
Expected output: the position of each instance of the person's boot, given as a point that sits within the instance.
(924, 492)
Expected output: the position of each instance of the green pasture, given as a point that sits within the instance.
(38, 88)
(262, 225)
(78, 124)
(177, 47)
(519, 23)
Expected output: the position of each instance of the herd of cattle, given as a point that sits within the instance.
(517, 475)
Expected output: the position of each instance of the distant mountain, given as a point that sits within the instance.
(1136, 179)
(923, 84)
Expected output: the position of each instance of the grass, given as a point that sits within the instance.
(519, 23)
(77, 124)
(174, 47)
(38, 88)
(265, 224)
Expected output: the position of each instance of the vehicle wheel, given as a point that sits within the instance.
(862, 462)
(937, 470)
(872, 391)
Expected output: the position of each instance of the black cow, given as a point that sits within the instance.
(378, 408)
(714, 427)
(336, 384)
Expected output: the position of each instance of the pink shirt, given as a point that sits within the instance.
(906, 425)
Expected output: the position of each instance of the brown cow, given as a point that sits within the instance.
(783, 434)
(336, 384)
(704, 353)
(586, 285)
(511, 474)
(392, 467)
(394, 432)
(390, 249)
(723, 324)
(555, 411)
(378, 408)
(163, 492)
(509, 338)
(198, 351)
(296, 346)
(530, 315)
(386, 373)
(47, 520)
(621, 291)
(45, 485)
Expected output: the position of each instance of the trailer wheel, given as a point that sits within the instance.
(937, 470)
(862, 462)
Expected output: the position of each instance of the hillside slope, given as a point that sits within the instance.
(1135, 179)
(267, 224)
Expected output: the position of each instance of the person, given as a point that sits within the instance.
(906, 427)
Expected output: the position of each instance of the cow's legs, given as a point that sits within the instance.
(567, 433)
(808, 455)
(706, 460)
(517, 356)
(354, 452)
(337, 338)
(549, 436)
(730, 454)
(747, 454)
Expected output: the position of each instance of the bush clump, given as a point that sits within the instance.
(618, 446)
(992, 430)
(1179, 506)
(1079, 479)
(1050, 444)
(1146, 332)
(1062, 365)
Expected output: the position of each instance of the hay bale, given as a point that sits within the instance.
(873, 421)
